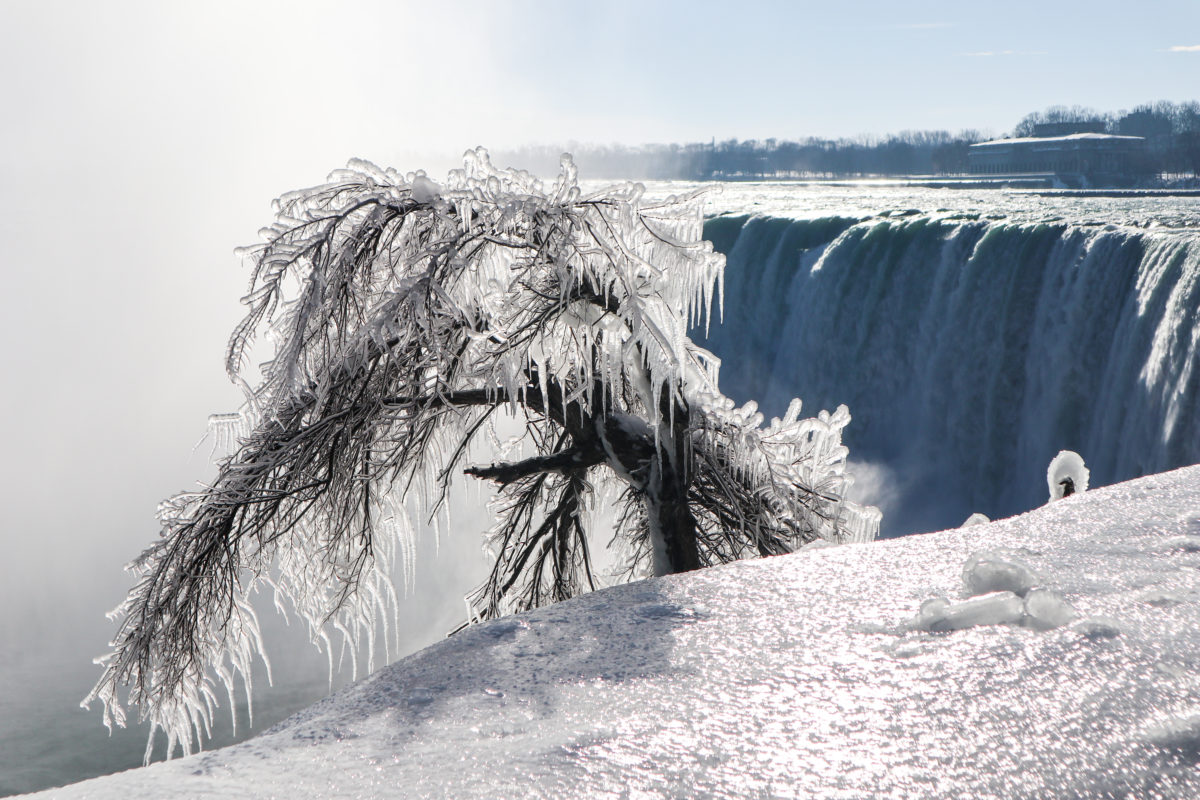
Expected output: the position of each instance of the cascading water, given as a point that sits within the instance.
(969, 351)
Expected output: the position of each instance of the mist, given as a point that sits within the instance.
(142, 144)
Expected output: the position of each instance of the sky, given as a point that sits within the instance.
(141, 142)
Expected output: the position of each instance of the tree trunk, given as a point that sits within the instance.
(674, 523)
(673, 520)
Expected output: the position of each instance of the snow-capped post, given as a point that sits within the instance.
(1066, 475)
(407, 317)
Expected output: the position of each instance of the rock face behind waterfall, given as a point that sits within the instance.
(970, 351)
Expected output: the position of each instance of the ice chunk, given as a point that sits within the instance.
(975, 519)
(1066, 475)
(997, 583)
(1046, 609)
(932, 609)
(991, 571)
(997, 608)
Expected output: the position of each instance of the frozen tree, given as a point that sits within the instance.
(411, 324)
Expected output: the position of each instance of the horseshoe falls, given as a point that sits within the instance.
(971, 350)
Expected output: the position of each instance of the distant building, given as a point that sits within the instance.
(1046, 129)
(1077, 159)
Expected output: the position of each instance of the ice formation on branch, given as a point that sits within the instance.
(406, 318)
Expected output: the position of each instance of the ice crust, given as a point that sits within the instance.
(789, 677)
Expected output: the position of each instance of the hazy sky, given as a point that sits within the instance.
(263, 82)
(141, 142)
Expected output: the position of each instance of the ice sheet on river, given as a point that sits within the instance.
(797, 676)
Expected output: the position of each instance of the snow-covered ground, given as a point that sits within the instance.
(828, 673)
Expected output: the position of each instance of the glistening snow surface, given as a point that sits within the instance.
(796, 676)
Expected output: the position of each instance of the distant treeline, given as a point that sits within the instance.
(1172, 132)
(907, 153)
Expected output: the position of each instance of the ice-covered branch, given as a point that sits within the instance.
(405, 317)
(573, 458)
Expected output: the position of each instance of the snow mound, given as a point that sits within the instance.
(1066, 475)
(790, 677)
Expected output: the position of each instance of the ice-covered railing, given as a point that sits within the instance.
(407, 317)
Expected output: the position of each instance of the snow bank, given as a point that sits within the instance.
(797, 676)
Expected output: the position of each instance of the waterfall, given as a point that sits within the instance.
(969, 351)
